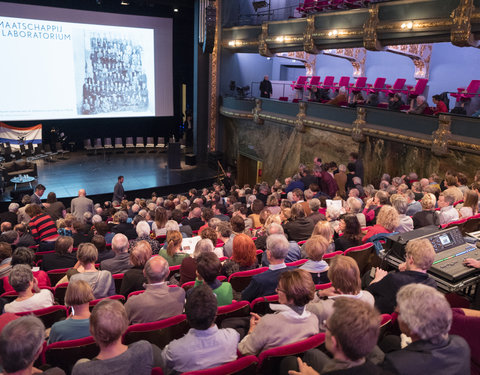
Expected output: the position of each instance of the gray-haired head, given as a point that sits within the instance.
(20, 277)
(156, 270)
(21, 341)
(203, 246)
(13, 207)
(274, 228)
(171, 225)
(278, 246)
(143, 229)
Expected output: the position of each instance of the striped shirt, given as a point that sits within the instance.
(43, 228)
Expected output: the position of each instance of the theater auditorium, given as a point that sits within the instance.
(240, 187)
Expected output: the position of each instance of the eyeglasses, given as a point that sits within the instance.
(279, 290)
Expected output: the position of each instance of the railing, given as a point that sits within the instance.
(257, 18)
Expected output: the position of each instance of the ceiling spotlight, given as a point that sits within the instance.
(124, 2)
(294, 61)
(175, 10)
(407, 25)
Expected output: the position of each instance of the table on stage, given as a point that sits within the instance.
(22, 179)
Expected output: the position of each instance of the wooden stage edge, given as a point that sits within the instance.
(144, 173)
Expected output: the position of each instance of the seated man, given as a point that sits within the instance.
(352, 333)
(420, 106)
(425, 316)
(30, 297)
(120, 263)
(447, 213)
(264, 284)
(21, 342)
(204, 345)
(208, 268)
(62, 258)
(108, 323)
(419, 256)
(294, 251)
(158, 301)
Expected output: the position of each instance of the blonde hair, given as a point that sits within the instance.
(87, 253)
(316, 247)
(388, 218)
(78, 292)
(422, 253)
(428, 201)
(273, 219)
(345, 275)
(174, 240)
(323, 228)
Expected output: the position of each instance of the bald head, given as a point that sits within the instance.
(197, 212)
(82, 193)
(156, 270)
(120, 243)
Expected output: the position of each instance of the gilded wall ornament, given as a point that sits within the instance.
(420, 55)
(356, 56)
(256, 112)
(358, 125)
(442, 135)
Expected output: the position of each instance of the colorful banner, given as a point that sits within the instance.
(18, 136)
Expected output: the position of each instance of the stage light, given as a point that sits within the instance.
(333, 33)
(268, 58)
(294, 61)
(407, 25)
(124, 2)
(175, 10)
(279, 38)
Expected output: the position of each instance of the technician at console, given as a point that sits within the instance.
(419, 255)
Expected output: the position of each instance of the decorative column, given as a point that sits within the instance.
(213, 93)
(420, 55)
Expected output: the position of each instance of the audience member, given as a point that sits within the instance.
(208, 269)
(300, 227)
(470, 204)
(291, 323)
(428, 215)
(143, 234)
(188, 268)
(395, 102)
(173, 253)
(207, 345)
(405, 222)
(123, 226)
(36, 197)
(78, 295)
(158, 225)
(5, 259)
(134, 278)
(351, 233)
(25, 239)
(158, 301)
(315, 248)
(244, 256)
(419, 256)
(80, 205)
(23, 255)
(108, 323)
(418, 106)
(55, 209)
(10, 215)
(447, 213)
(387, 222)
(21, 343)
(120, 263)
(62, 258)
(42, 227)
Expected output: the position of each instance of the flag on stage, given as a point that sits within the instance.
(18, 136)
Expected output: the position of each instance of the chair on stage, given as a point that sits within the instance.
(150, 146)
(61, 150)
(377, 86)
(140, 145)
(161, 144)
(98, 145)
(107, 144)
(119, 145)
(129, 146)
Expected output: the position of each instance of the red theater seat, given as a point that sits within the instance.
(377, 86)
(240, 280)
(468, 93)
(242, 366)
(48, 315)
(419, 88)
(360, 84)
(300, 83)
(328, 82)
(362, 255)
(397, 87)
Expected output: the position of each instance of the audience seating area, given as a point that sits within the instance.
(314, 6)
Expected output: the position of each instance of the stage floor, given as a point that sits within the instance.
(98, 173)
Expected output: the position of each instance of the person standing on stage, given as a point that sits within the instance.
(118, 192)
(265, 88)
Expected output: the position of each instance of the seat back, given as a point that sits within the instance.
(48, 315)
(65, 354)
(314, 81)
(240, 280)
(135, 293)
(139, 142)
(117, 297)
(329, 257)
(188, 285)
(129, 141)
(344, 81)
(234, 310)
(420, 86)
(323, 286)
(107, 141)
(87, 143)
(56, 275)
(118, 142)
(98, 142)
(468, 327)
(149, 141)
(159, 333)
(297, 263)
(471, 225)
(173, 271)
(59, 293)
(118, 278)
(261, 305)
(362, 255)
(379, 83)
(242, 366)
(361, 82)
(269, 360)
(473, 86)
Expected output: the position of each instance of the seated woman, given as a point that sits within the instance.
(291, 322)
(272, 204)
(299, 228)
(324, 229)
(208, 268)
(387, 221)
(77, 325)
(5, 259)
(470, 204)
(428, 215)
(173, 253)
(256, 207)
(244, 256)
(345, 277)
(261, 241)
(108, 323)
(188, 268)
(351, 231)
(158, 226)
(101, 281)
(62, 257)
(315, 249)
(134, 278)
(30, 297)
(143, 232)
(23, 255)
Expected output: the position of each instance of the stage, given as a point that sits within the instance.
(143, 172)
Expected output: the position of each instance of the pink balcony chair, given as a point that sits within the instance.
(314, 81)
(468, 93)
(269, 360)
(397, 87)
(328, 82)
(335, 4)
(307, 6)
(360, 84)
(322, 5)
(344, 82)
(242, 366)
(377, 86)
(159, 333)
(419, 88)
(300, 83)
